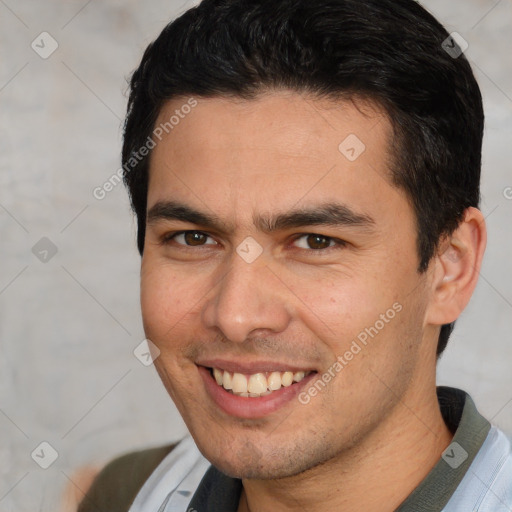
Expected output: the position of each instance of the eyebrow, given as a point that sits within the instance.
(326, 214)
(172, 210)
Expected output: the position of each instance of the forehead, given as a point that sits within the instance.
(288, 121)
(281, 148)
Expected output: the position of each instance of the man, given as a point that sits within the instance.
(305, 177)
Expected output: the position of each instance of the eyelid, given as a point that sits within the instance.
(171, 237)
(338, 242)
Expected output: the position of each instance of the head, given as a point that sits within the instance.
(264, 95)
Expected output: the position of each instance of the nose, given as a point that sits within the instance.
(248, 299)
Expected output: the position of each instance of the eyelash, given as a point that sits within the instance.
(338, 243)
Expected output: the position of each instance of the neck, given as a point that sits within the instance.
(377, 474)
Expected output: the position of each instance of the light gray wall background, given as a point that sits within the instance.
(69, 321)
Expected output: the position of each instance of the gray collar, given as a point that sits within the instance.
(220, 493)
(470, 429)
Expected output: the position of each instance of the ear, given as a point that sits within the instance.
(456, 269)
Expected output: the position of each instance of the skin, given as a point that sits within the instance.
(373, 433)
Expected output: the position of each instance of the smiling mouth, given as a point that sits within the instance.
(256, 384)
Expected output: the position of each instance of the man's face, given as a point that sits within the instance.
(336, 280)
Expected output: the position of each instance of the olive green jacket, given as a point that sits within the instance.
(123, 477)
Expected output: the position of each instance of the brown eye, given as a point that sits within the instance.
(314, 241)
(191, 239)
(194, 238)
(318, 242)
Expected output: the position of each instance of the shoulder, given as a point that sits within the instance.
(487, 486)
(497, 482)
(117, 484)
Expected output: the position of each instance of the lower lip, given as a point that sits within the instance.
(247, 407)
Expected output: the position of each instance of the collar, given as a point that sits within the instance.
(220, 493)
(470, 428)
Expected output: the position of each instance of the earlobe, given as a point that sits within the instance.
(456, 269)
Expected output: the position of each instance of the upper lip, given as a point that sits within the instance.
(251, 367)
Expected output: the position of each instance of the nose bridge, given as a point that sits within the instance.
(248, 298)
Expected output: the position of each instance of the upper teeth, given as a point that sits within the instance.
(257, 384)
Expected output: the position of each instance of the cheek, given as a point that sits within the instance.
(164, 299)
(338, 307)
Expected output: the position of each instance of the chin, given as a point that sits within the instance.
(247, 462)
(240, 469)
